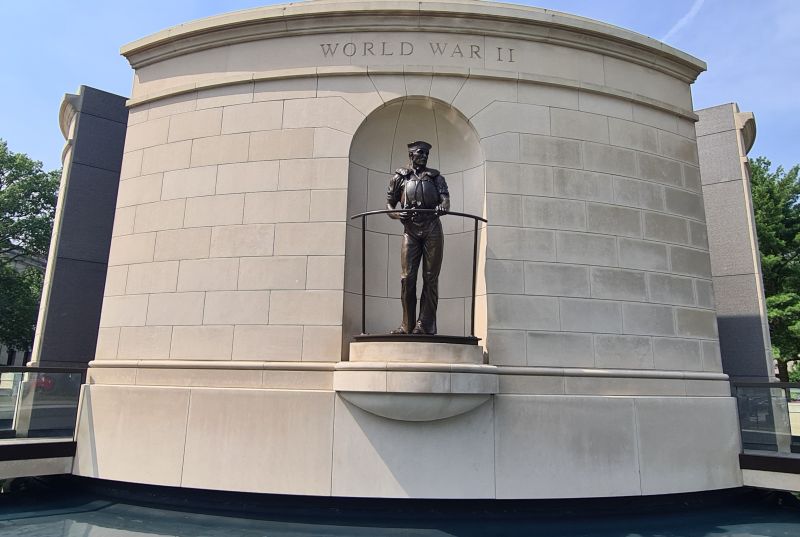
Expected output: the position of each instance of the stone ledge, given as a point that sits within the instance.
(415, 352)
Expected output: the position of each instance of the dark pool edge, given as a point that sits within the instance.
(72, 494)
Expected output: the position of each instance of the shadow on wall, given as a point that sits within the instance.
(379, 147)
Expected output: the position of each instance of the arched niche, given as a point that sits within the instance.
(379, 147)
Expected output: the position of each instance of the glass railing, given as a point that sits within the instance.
(39, 402)
(769, 416)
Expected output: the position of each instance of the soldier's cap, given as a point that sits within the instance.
(419, 145)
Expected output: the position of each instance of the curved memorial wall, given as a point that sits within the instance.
(233, 287)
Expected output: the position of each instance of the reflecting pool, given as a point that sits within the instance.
(93, 517)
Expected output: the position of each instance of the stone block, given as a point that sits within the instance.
(618, 284)
(242, 241)
(306, 307)
(123, 311)
(581, 185)
(224, 149)
(330, 143)
(115, 281)
(506, 347)
(325, 272)
(144, 342)
(159, 215)
(726, 210)
(359, 91)
(553, 213)
(192, 243)
(688, 443)
(685, 203)
(613, 220)
(123, 221)
(620, 386)
(271, 343)
(609, 159)
(631, 77)
(208, 274)
(716, 119)
(522, 312)
(317, 173)
(171, 106)
(477, 93)
(677, 147)
(189, 183)
(219, 210)
(605, 105)
(328, 206)
(547, 151)
(512, 178)
(531, 385)
(139, 190)
(500, 117)
(520, 243)
(201, 342)
(587, 315)
(647, 320)
(107, 343)
(160, 277)
(677, 354)
(567, 440)
(578, 125)
(236, 307)
(654, 117)
(197, 124)
(176, 309)
(546, 95)
(272, 272)
(691, 178)
(166, 157)
(310, 239)
(720, 157)
(289, 206)
(225, 95)
(632, 135)
(586, 249)
(635, 193)
(146, 134)
(556, 279)
(662, 227)
(705, 293)
(116, 433)
(278, 90)
(503, 276)
(698, 235)
(712, 360)
(258, 176)
(322, 343)
(504, 209)
(444, 88)
(333, 112)
(131, 165)
(259, 116)
(502, 147)
(558, 349)
(130, 249)
(691, 262)
(659, 169)
(696, 323)
(623, 352)
(262, 462)
(670, 289)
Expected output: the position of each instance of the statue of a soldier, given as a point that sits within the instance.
(419, 187)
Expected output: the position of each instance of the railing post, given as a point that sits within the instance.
(474, 278)
(364, 274)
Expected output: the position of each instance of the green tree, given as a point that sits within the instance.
(776, 204)
(28, 196)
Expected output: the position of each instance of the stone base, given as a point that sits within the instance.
(415, 352)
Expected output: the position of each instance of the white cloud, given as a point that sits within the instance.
(686, 19)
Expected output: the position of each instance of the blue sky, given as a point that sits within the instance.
(49, 47)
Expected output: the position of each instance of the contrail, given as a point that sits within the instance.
(686, 19)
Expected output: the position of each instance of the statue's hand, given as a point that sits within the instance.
(444, 206)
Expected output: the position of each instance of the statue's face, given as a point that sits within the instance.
(419, 156)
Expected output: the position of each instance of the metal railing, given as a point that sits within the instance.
(364, 216)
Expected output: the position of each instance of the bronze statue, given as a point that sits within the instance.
(419, 187)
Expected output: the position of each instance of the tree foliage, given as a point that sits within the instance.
(776, 204)
(27, 205)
